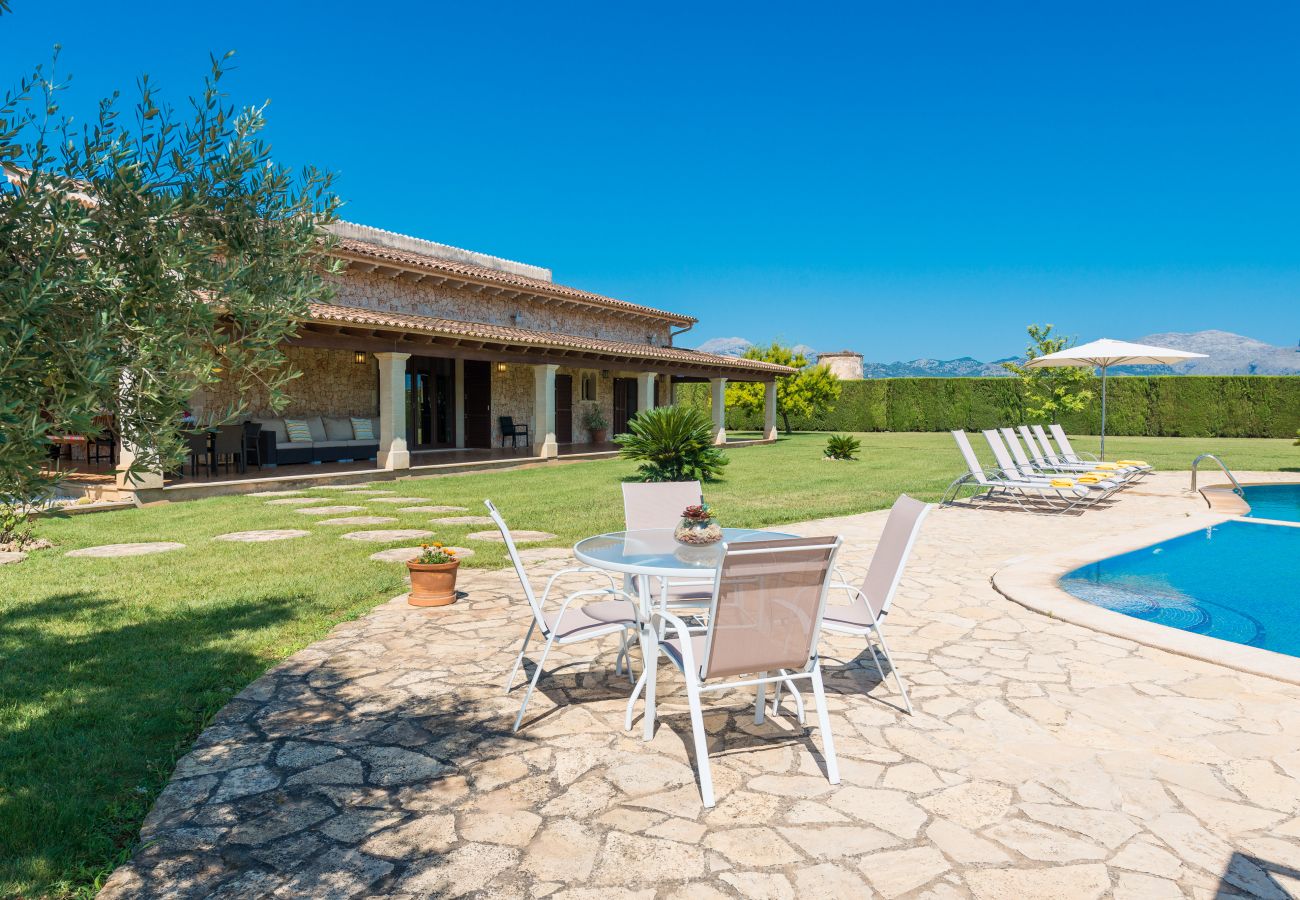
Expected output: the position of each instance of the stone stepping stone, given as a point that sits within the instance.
(359, 520)
(519, 536)
(402, 554)
(329, 510)
(258, 537)
(274, 493)
(432, 509)
(395, 499)
(541, 554)
(463, 520)
(294, 501)
(334, 487)
(112, 551)
(367, 491)
(11, 556)
(387, 535)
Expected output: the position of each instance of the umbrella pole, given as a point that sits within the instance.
(1103, 413)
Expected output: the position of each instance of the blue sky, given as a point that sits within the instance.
(901, 179)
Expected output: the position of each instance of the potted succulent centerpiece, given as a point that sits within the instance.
(433, 576)
(593, 419)
(698, 527)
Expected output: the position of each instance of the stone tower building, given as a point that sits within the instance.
(845, 365)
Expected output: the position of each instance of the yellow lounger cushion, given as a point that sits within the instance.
(1111, 467)
(1132, 462)
(1090, 479)
(1062, 482)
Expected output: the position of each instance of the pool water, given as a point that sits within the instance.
(1239, 581)
(1280, 502)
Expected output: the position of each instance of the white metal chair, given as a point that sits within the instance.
(870, 603)
(568, 625)
(652, 505)
(764, 617)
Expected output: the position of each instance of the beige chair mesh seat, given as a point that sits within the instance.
(764, 621)
(658, 505)
(870, 602)
(567, 624)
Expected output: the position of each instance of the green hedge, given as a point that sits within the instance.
(1155, 406)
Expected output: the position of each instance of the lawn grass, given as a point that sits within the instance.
(109, 668)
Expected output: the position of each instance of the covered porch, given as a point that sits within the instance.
(446, 396)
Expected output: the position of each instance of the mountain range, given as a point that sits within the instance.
(1226, 354)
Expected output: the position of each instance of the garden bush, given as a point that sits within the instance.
(672, 443)
(842, 446)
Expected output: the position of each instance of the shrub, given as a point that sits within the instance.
(672, 443)
(842, 446)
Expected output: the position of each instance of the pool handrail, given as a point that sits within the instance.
(1236, 486)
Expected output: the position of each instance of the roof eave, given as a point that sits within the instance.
(508, 283)
(474, 332)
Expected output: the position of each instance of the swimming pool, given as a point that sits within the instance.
(1238, 581)
(1280, 502)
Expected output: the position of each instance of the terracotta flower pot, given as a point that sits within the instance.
(432, 584)
(598, 435)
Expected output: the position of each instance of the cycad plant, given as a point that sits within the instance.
(842, 446)
(672, 443)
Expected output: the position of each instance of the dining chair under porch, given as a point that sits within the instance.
(568, 625)
(763, 627)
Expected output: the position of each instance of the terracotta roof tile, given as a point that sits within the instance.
(329, 312)
(352, 247)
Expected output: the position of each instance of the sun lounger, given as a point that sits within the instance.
(1025, 463)
(1043, 452)
(1058, 495)
(1067, 452)
(1095, 481)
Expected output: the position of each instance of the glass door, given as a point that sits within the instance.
(430, 389)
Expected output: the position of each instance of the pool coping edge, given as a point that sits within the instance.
(1034, 584)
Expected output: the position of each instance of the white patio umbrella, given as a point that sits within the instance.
(1106, 353)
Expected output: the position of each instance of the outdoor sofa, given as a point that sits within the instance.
(333, 439)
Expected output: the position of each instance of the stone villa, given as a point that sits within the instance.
(439, 344)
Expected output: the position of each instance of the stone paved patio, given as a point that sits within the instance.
(1045, 760)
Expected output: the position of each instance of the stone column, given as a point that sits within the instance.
(458, 390)
(543, 430)
(645, 391)
(718, 403)
(137, 483)
(392, 411)
(769, 410)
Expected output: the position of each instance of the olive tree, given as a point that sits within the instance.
(145, 255)
(809, 390)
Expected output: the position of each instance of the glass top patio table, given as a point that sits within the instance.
(656, 552)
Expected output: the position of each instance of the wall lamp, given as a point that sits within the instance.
(359, 357)
(501, 367)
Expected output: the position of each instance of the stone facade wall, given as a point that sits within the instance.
(331, 384)
(379, 292)
(512, 395)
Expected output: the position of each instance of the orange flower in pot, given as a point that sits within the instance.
(433, 576)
